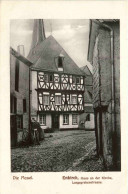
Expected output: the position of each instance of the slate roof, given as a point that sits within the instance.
(86, 70)
(88, 109)
(88, 75)
(43, 57)
(87, 96)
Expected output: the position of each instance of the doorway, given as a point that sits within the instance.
(55, 121)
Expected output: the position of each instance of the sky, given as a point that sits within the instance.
(72, 35)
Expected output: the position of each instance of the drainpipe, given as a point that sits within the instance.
(29, 139)
(112, 69)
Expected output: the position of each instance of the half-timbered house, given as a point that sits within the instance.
(57, 83)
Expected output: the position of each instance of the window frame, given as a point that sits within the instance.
(77, 78)
(52, 77)
(73, 120)
(42, 119)
(20, 117)
(67, 115)
(72, 99)
(60, 59)
(55, 99)
(48, 99)
(45, 76)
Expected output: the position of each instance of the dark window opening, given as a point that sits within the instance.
(88, 117)
(65, 119)
(60, 62)
(51, 78)
(19, 119)
(73, 80)
(78, 80)
(17, 75)
(24, 105)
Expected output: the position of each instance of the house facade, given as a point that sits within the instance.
(19, 95)
(57, 83)
(104, 55)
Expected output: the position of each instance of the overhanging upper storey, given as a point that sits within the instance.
(57, 81)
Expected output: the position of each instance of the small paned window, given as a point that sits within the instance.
(42, 119)
(45, 77)
(46, 99)
(51, 78)
(74, 99)
(24, 105)
(57, 100)
(88, 117)
(74, 119)
(78, 80)
(65, 119)
(19, 120)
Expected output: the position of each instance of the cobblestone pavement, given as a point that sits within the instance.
(64, 151)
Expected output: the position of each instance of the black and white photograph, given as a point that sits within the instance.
(65, 95)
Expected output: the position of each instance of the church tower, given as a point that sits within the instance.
(38, 33)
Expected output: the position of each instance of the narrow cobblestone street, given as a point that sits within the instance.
(64, 151)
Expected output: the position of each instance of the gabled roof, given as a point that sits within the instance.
(44, 54)
(86, 70)
(87, 96)
(88, 75)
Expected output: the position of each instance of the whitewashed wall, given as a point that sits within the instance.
(70, 123)
(90, 124)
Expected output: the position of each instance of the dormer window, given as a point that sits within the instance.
(60, 62)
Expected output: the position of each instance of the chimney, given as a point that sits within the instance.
(20, 50)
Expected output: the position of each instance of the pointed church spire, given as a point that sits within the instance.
(38, 32)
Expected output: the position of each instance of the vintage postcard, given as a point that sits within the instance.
(63, 78)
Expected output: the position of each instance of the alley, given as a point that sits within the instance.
(63, 151)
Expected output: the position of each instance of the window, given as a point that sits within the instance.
(78, 80)
(45, 77)
(24, 105)
(58, 100)
(88, 117)
(42, 119)
(65, 119)
(74, 99)
(60, 62)
(46, 99)
(17, 75)
(75, 119)
(19, 121)
(51, 78)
